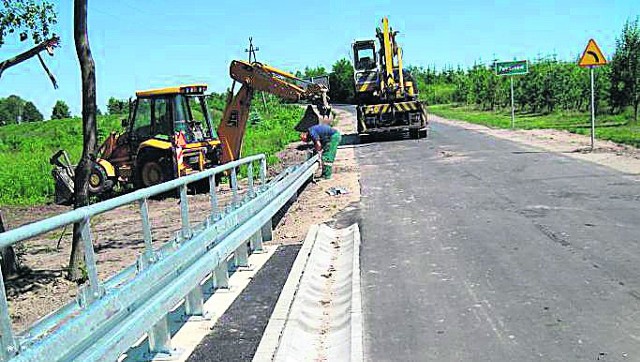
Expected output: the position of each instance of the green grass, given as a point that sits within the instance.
(615, 128)
(25, 149)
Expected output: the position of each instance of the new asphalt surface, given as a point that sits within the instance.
(480, 249)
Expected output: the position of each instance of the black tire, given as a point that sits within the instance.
(97, 179)
(359, 120)
(423, 133)
(414, 133)
(153, 170)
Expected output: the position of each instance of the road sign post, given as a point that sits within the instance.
(592, 57)
(513, 107)
(517, 67)
(593, 111)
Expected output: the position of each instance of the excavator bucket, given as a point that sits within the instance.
(312, 117)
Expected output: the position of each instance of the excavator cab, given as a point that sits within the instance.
(365, 70)
(364, 55)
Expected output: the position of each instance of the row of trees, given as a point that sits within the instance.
(550, 85)
(340, 79)
(14, 109)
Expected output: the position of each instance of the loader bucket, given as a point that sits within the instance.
(310, 118)
(63, 175)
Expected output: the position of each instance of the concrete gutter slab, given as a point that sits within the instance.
(318, 315)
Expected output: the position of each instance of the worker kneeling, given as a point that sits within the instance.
(326, 140)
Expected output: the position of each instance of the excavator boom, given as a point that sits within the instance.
(261, 77)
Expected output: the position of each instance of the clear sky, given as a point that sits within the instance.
(148, 44)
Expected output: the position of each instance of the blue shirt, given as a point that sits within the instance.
(321, 132)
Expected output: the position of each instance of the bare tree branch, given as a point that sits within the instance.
(47, 45)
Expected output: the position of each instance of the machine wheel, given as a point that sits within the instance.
(98, 179)
(152, 171)
(422, 133)
(414, 133)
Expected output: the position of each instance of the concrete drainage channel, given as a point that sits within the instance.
(318, 315)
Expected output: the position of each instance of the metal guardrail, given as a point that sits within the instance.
(111, 316)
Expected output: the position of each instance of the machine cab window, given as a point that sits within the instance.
(364, 55)
(141, 127)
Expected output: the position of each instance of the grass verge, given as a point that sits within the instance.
(25, 149)
(615, 128)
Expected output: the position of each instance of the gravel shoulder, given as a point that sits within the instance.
(606, 153)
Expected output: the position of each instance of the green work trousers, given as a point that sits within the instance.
(329, 150)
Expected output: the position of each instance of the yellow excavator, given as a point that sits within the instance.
(169, 131)
(386, 95)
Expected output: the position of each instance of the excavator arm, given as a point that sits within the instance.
(261, 77)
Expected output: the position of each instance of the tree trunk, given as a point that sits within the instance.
(8, 263)
(81, 192)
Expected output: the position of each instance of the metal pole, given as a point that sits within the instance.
(593, 112)
(184, 212)
(513, 109)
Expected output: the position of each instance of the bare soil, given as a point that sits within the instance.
(619, 157)
(118, 240)
(315, 205)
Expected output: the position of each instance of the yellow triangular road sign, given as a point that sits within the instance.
(592, 56)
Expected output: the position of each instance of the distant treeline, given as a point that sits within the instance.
(551, 84)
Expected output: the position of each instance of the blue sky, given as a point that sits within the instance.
(147, 44)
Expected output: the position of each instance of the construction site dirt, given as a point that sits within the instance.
(118, 240)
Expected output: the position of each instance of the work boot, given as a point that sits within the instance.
(327, 171)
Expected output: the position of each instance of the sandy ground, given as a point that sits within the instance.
(619, 157)
(315, 206)
(118, 240)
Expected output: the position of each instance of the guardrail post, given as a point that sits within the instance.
(193, 303)
(234, 186)
(160, 340)
(250, 191)
(184, 212)
(7, 340)
(90, 261)
(267, 231)
(146, 231)
(221, 274)
(256, 242)
(213, 196)
(241, 256)
(263, 172)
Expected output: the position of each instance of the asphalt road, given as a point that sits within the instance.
(479, 249)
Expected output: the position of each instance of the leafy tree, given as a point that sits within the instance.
(11, 109)
(341, 85)
(117, 106)
(31, 19)
(625, 72)
(314, 72)
(31, 113)
(60, 110)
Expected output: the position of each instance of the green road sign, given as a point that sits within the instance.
(516, 67)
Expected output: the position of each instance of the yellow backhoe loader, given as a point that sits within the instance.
(169, 133)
